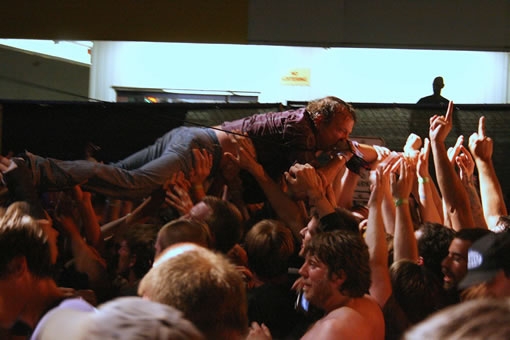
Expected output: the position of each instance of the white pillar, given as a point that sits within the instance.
(102, 72)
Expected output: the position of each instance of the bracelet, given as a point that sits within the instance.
(401, 201)
(423, 179)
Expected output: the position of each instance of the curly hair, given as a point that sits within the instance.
(327, 107)
(343, 251)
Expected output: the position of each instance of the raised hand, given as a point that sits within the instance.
(203, 161)
(440, 126)
(376, 185)
(179, 198)
(466, 165)
(422, 167)
(412, 148)
(480, 145)
(454, 151)
(401, 187)
(382, 154)
(246, 157)
(303, 179)
(181, 181)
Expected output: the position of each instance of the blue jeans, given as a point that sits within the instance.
(135, 177)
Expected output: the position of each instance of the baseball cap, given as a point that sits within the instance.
(486, 258)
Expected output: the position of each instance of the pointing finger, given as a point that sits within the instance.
(449, 112)
(481, 127)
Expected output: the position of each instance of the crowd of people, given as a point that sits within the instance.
(248, 230)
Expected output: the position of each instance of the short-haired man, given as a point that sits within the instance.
(336, 278)
(223, 219)
(204, 286)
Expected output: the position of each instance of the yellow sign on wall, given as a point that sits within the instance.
(298, 76)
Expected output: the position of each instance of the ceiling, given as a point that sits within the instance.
(430, 24)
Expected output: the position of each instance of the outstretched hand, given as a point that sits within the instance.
(303, 179)
(202, 164)
(376, 185)
(401, 187)
(412, 148)
(246, 157)
(179, 198)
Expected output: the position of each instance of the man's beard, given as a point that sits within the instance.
(319, 294)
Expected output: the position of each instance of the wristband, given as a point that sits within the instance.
(423, 179)
(400, 201)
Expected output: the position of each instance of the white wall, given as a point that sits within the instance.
(355, 75)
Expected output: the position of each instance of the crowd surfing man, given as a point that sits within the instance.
(315, 134)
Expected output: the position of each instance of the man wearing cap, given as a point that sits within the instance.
(489, 263)
(454, 265)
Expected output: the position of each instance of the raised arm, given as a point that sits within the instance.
(285, 207)
(388, 204)
(404, 241)
(466, 166)
(88, 216)
(375, 238)
(426, 199)
(493, 204)
(451, 188)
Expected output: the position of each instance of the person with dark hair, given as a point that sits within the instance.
(433, 242)
(223, 219)
(336, 277)
(135, 256)
(436, 98)
(416, 290)
(269, 245)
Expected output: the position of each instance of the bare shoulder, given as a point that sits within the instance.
(361, 319)
(364, 315)
(343, 323)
